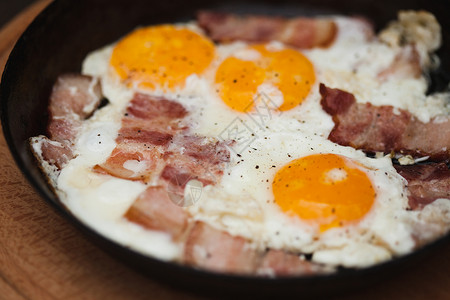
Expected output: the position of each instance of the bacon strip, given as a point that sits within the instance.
(154, 147)
(202, 148)
(180, 176)
(147, 128)
(215, 250)
(148, 108)
(153, 135)
(426, 183)
(172, 165)
(137, 135)
(281, 263)
(155, 210)
(54, 153)
(381, 129)
(63, 130)
(115, 165)
(74, 98)
(298, 32)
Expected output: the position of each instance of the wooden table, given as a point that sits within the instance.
(42, 256)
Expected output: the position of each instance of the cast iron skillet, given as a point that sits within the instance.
(58, 40)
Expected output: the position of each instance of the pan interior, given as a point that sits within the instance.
(60, 38)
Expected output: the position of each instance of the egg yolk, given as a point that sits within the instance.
(324, 189)
(161, 56)
(287, 69)
(239, 82)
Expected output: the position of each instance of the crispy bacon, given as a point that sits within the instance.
(155, 210)
(298, 32)
(426, 183)
(215, 250)
(383, 129)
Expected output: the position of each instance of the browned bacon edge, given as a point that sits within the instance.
(73, 99)
(380, 129)
(298, 32)
(426, 183)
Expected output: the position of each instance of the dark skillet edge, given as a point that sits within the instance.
(197, 281)
(4, 86)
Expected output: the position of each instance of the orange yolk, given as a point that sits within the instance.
(239, 82)
(324, 189)
(289, 70)
(161, 56)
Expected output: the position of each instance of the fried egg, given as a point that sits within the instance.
(287, 186)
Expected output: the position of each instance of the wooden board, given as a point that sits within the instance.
(44, 257)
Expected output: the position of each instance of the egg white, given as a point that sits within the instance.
(242, 203)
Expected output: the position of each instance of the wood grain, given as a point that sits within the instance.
(44, 257)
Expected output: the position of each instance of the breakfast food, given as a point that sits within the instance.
(257, 145)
